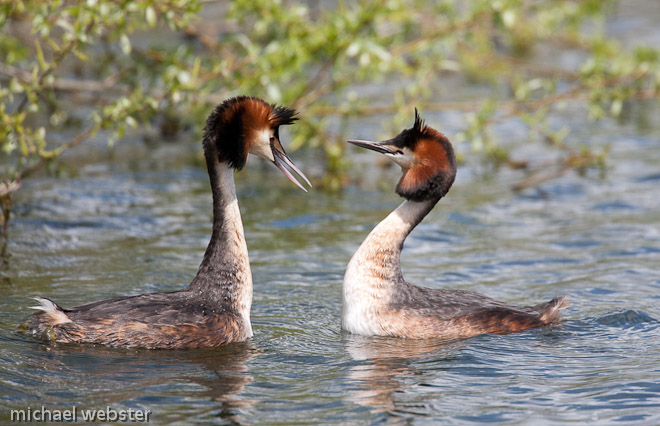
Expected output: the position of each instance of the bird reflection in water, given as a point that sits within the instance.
(384, 364)
(122, 378)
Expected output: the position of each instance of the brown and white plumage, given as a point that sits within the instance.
(376, 298)
(214, 309)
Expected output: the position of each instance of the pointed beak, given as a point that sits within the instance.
(374, 146)
(401, 156)
(280, 159)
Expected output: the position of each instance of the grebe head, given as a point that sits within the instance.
(426, 158)
(243, 125)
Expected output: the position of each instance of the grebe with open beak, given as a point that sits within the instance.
(214, 309)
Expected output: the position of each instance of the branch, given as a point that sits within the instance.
(541, 177)
(59, 56)
(42, 162)
(65, 84)
(8, 187)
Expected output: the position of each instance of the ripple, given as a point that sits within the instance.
(87, 238)
(532, 262)
(296, 221)
(653, 177)
(627, 319)
(465, 219)
(613, 206)
(578, 244)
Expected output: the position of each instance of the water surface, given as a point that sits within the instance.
(127, 227)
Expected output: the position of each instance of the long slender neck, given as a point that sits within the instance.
(225, 270)
(378, 257)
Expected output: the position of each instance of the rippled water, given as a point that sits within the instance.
(132, 227)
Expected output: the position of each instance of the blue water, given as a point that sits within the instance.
(121, 228)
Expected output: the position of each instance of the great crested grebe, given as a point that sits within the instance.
(378, 301)
(214, 309)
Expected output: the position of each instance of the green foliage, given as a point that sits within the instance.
(58, 38)
(117, 64)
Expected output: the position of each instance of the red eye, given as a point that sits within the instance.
(272, 139)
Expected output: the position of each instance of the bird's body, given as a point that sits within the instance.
(172, 320)
(376, 298)
(214, 309)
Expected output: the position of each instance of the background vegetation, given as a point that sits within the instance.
(79, 67)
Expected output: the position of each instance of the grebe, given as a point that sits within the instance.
(214, 309)
(376, 298)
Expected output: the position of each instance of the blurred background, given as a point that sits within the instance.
(148, 72)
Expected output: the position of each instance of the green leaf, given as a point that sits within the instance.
(150, 16)
(125, 44)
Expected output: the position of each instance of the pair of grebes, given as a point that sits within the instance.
(214, 309)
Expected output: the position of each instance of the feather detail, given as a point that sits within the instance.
(55, 315)
(45, 305)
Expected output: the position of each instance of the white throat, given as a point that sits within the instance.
(233, 252)
(375, 268)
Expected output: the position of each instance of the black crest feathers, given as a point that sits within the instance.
(281, 116)
(231, 124)
(434, 169)
(409, 137)
(419, 126)
(225, 126)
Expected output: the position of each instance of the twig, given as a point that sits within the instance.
(42, 162)
(8, 187)
(539, 178)
(59, 56)
(65, 84)
(440, 32)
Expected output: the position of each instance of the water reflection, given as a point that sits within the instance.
(160, 381)
(229, 365)
(384, 363)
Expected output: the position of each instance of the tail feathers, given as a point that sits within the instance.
(54, 313)
(550, 311)
(45, 305)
